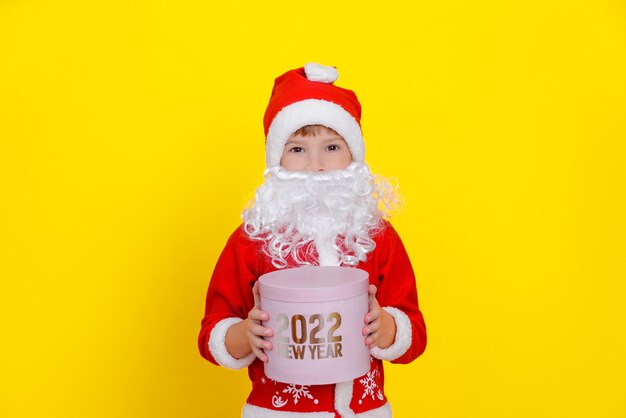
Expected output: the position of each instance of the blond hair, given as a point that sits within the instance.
(312, 130)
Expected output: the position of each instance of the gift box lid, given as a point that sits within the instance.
(313, 284)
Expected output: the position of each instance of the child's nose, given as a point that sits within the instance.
(315, 163)
(315, 167)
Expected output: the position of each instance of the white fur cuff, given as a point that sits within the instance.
(217, 346)
(404, 336)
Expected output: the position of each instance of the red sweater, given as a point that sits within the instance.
(229, 299)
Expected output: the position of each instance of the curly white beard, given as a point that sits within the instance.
(335, 213)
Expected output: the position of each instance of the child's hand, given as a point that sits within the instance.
(255, 330)
(380, 328)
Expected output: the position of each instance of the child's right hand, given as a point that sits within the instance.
(255, 330)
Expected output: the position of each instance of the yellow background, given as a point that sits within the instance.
(131, 138)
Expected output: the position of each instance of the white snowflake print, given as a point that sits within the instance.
(279, 402)
(299, 391)
(369, 385)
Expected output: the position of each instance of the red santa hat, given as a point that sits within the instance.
(307, 96)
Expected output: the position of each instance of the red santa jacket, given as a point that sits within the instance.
(229, 299)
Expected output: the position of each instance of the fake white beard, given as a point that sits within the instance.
(335, 213)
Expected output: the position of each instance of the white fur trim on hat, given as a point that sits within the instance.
(253, 411)
(217, 346)
(321, 73)
(404, 336)
(312, 112)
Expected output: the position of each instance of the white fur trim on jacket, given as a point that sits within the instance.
(312, 112)
(252, 411)
(327, 256)
(343, 396)
(404, 335)
(217, 346)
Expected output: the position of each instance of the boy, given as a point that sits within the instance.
(319, 205)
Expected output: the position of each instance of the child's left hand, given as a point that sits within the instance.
(380, 328)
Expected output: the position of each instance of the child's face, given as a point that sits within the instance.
(324, 151)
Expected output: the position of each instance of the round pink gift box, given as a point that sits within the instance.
(317, 314)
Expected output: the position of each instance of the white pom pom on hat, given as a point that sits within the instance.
(321, 73)
(307, 96)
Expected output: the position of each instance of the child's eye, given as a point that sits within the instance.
(332, 147)
(296, 149)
